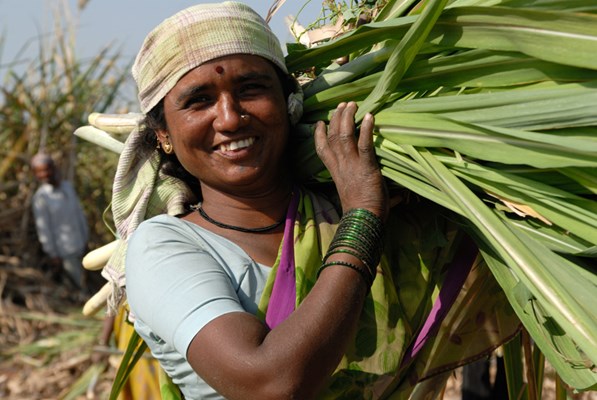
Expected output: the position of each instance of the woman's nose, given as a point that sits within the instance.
(228, 114)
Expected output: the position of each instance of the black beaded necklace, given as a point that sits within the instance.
(209, 219)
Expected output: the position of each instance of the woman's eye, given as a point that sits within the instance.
(253, 88)
(197, 101)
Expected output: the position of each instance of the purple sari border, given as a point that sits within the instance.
(456, 275)
(283, 298)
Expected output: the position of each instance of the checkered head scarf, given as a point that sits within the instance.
(196, 35)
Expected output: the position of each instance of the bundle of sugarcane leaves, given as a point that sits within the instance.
(489, 109)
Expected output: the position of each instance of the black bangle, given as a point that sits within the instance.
(366, 277)
(372, 269)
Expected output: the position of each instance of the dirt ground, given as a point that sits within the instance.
(48, 349)
(46, 345)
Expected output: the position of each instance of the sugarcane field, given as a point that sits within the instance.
(485, 112)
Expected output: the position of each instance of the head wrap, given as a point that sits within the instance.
(194, 36)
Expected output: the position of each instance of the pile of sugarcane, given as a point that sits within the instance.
(489, 109)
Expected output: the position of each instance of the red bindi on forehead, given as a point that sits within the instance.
(219, 69)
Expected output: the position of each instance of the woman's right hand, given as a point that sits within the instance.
(351, 161)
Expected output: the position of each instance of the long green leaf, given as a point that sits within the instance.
(499, 145)
(554, 238)
(561, 351)
(535, 108)
(401, 58)
(514, 368)
(578, 215)
(394, 9)
(133, 353)
(564, 38)
(587, 178)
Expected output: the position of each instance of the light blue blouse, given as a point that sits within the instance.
(179, 277)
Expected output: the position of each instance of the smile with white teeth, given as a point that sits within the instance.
(237, 144)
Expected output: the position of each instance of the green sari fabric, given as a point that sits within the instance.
(421, 240)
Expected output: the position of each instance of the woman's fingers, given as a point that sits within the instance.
(367, 125)
(351, 161)
(321, 142)
(342, 127)
(338, 142)
(365, 142)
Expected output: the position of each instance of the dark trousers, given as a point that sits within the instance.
(476, 383)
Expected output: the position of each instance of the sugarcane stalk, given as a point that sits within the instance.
(115, 123)
(98, 301)
(97, 259)
(99, 137)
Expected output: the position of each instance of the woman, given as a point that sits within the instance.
(253, 286)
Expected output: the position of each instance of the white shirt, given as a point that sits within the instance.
(61, 225)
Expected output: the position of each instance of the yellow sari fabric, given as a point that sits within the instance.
(143, 381)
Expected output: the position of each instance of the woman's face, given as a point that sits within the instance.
(211, 139)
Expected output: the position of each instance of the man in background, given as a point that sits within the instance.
(61, 225)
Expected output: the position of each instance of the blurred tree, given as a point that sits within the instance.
(42, 102)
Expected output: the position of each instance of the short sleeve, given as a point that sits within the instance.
(173, 283)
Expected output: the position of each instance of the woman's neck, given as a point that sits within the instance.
(251, 209)
(249, 212)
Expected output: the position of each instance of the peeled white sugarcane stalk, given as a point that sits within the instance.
(100, 137)
(115, 123)
(98, 301)
(97, 259)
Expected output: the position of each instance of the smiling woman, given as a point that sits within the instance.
(244, 282)
(226, 123)
(229, 129)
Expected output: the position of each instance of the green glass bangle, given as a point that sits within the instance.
(361, 226)
(360, 233)
(367, 215)
(356, 245)
(344, 250)
(348, 233)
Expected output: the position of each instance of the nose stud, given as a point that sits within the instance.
(244, 117)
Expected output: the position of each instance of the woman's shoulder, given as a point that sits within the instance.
(159, 224)
(163, 228)
(160, 220)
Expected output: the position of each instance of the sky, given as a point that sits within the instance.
(120, 23)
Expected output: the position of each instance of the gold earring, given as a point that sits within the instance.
(167, 147)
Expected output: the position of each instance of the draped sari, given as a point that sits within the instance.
(434, 305)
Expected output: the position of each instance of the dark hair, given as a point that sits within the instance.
(155, 120)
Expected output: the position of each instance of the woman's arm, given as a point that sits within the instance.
(239, 357)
